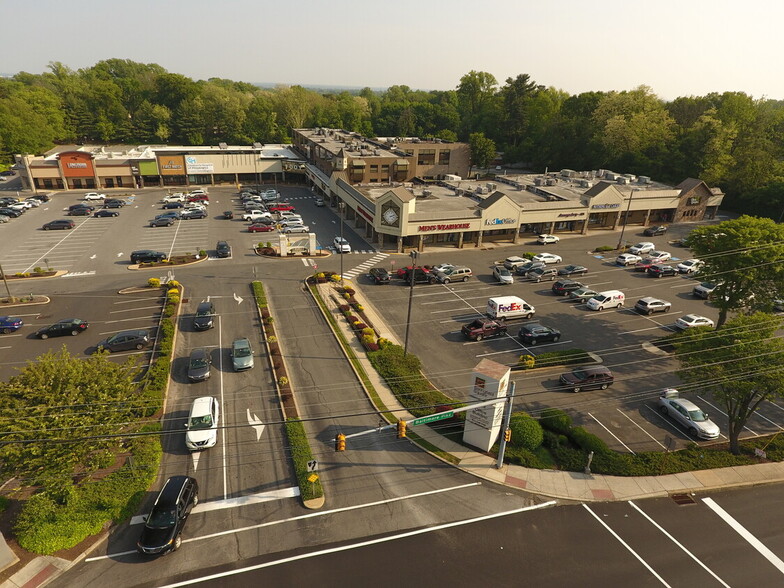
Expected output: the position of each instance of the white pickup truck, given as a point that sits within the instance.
(255, 215)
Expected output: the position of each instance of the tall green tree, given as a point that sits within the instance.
(516, 96)
(482, 150)
(477, 100)
(57, 412)
(741, 364)
(744, 257)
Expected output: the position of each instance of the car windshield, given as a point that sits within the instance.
(580, 374)
(203, 312)
(503, 271)
(697, 416)
(201, 422)
(161, 518)
(708, 285)
(242, 352)
(198, 362)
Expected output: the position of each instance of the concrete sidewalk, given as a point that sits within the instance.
(551, 483)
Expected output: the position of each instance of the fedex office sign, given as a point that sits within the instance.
(509, 307)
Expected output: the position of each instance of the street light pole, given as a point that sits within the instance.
(625, 220)
(341, 207)
(414, 255)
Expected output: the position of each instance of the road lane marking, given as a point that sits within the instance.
(297, 518)
(626, 545)
(222, 408)
(358, 545)
(743, 532)
(257, 425)
(639, 427)
(611, 433)
(674, 540)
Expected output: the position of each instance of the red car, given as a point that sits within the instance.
(198, 198)
(261, 228)
(280, 207)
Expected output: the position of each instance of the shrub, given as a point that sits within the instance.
(334, 278)
(38, 270)
(174, 300)
(368, 340)
(268, 244)
(587, 441)
(359, 325)
(272, 339)
(346, 296)
(556, 420)
(320, 276)
(372, 347)
(173, 292)
(269, 320)
(358, 307)
(352, 319)
(283, 381)
(384, 342)
(368, 331)
(202, 253)
(564, 357)
(349, 291)
(526, 431)
(602, 248)
(553, 440)
(344, 308)
(173, 284)
(153, 283)
(301, 454)
(526, 362)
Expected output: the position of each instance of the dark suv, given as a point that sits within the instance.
(563, 287)
(163, 526)
(583, 378)
(223, 249)
(204, 316)
(655, 230)
(147, 256)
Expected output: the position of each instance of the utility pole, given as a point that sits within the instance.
(11, 299)
(625, 220)
(505, 426)
(414, 255)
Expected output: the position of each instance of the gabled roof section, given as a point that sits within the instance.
(689, 184)
(401, 193)
(597, 188)
(492, 199)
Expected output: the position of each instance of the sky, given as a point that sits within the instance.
(677, 47)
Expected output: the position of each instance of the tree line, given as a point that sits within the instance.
(731, 140)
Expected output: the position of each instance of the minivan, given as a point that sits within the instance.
(163, 526)
(606, 300)
(204, 316)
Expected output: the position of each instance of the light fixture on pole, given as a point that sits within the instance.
(625, 220)
(414, 255)
(341, 207)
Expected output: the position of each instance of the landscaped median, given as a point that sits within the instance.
(311, 490)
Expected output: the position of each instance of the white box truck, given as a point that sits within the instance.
(509, 307)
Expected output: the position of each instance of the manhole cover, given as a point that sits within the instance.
(681, 499)
(185, 301)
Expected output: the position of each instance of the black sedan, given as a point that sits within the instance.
(59, 224)
(172, 205)
(13, 213)
(573, 270)
(126, 340)
(72, 327)
(534, 333)
(80, 211)
(199, 365)
(89, 207)
(194, 213)
(102, 213)
(658, 271)
(379, 275)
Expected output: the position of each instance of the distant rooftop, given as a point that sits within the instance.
(148, 151)
(356, 145)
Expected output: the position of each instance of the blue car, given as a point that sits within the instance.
(9, 324)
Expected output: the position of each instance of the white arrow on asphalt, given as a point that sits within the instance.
(93, 256)
(256, 423)
(238, 298)
(195, 455)
(120, 254)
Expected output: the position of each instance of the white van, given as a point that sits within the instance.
(509, 307)
(606, 300)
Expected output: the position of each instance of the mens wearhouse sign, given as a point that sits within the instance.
(452, 227)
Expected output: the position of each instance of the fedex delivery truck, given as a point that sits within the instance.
(509, 307)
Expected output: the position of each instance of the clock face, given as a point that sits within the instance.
(390, 216)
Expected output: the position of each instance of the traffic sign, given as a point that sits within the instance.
(312, 465)
(432, 418)
(312, 478)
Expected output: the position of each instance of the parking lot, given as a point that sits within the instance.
(626, 414)
(103, 245)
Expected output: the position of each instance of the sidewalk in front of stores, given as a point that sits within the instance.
(557, 484)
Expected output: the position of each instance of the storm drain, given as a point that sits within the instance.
(681, 499)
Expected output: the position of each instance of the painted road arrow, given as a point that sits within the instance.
(239, 300)
(256, 423)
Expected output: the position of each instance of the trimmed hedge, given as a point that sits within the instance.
(300, 456)
(258, 293)
(526, 431)
(563, 357)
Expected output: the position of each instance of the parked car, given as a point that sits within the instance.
(319, 202)
(80, 211)
(165, 221)
(542, 273)
(102, 213)
(297, 229)
(202, 426)
(4, 218)
(223, 249)
(563, 287)
(582, 294)
(649, 305)
(93, 196)
(114, 203)
(259, 227)
(294, 222)
(704, 290)
(503, 275)
(548, 258)
(340, 244)
(241, 354)
(89, 207)
(280, 206)
(690, 266)
(534, 333)
(194, 206)
(203, 198)
(10, 212)
(659, 256)
(642, 248)
(9, 324)
(379, 275)
(659, 271)
(177, 197)
(172, 205)
(420, 275)
(453, 274)
(199, 365)
(193, 213)
(687, 414)
(655, 230)
(524, 268)
(175, 214)
(256, 215)
(644, 264)
(482, 328)
(585, 378)
(32, 202)
(72, 326)
(547, 239)
(514, 261)
(689, 321)
(204, 317)
(441, 267)
(163, 526)
(573, 270)
(147, 256)
(59, 224)
(126, 340)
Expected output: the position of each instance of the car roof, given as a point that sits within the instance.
(687, 404)
(594, 369)
(171, 490)
(649, 299)
(241, 341)
(201, 406)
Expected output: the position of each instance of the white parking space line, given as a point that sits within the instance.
(668, 422)
(631, 420)
(115, 331)
(132, 300)
(774, 404)
(611, 433)
(305, 261)
(223, 410)
(743, 532)
(462, 318)
(626, 545)
(674, 540)
(709, 403)
(134, 309)
(656, 328)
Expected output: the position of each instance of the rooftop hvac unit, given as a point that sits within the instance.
(644, 179)
(610, 176)
(538, 181)
(426, 193)
(551, 182)
(630, 177)
(491, 186)
(622, 180)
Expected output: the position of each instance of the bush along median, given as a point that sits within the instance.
(301, 452)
